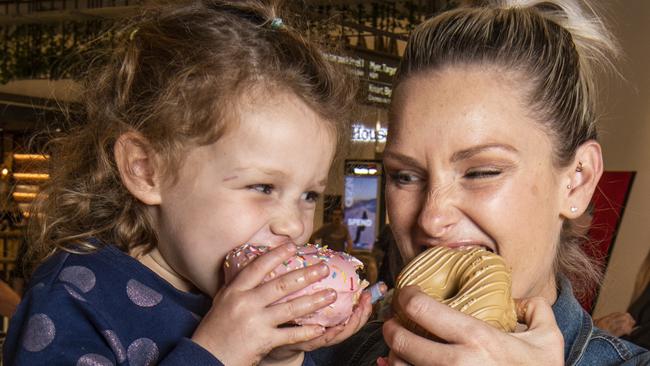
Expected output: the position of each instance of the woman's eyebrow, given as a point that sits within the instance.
(404, 159)
(468, 153)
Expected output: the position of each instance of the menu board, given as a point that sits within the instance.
(375, 71)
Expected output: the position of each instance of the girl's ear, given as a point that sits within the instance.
(138, 166)
(581, 178)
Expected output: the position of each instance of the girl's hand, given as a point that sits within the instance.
(617, 323)
(242, 326)
(471, 341)
(332, 336)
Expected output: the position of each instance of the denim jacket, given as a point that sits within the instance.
(584, 344)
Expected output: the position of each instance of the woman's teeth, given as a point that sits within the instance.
(463, 247)
(477, 246)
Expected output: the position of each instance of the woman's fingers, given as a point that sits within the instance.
(439, 319)
(543, 335)
(466, 340)
(537, 313)
(393, 360)
(414, 349)
(254, 273)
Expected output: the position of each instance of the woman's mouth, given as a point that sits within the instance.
(461, 246)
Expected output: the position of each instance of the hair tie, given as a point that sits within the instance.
(277, 23)
(133, 33)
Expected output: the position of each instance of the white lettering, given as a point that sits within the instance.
(376, 99)
(383, 68)
(349, 191)
(381, 90)
(361, 133)
(346, 60)
(359, 222)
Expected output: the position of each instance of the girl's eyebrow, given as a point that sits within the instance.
(271, 172)
(261, 169)
(468, 153)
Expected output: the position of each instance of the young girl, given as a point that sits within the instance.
(212, 125)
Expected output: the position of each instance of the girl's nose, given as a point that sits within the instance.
(288, 222)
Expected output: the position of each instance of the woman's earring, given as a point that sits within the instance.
(579, 167)
(574, 209)
(568, 186)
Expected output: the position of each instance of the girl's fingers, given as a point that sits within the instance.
(300, 306)
(439, 319)
(255, 272)
(298, 334)
(361, 314)
(291, 282)
(324, 340)
(358, 318)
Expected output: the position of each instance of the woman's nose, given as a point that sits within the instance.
(288, 221)
(438, 214)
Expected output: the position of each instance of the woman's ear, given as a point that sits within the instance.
(138, 166)
(582, 177)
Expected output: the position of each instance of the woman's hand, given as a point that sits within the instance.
(243, 325)
(470, 341)
(617, 323)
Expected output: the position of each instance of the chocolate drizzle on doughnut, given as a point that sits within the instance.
(474, 281)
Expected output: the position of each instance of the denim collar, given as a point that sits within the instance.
(575, 324)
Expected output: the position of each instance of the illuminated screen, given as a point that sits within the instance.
(360, 206)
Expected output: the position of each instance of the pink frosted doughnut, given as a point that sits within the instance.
(342, 278)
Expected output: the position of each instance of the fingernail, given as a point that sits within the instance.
(319, 270)
(381, 361)
(330, 295)
(522, 308)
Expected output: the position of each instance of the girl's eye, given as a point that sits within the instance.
(311, 196)
(478, 174)
(404, 178)
(262, 188)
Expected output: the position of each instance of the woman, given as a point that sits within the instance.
(492, 143)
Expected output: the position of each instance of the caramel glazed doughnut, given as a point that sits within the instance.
(471, 280)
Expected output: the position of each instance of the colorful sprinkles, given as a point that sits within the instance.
(300, 260)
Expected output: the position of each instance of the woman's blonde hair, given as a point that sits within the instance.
(553, 48)
(175, 79)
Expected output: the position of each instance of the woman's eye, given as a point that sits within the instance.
(478, 174)
(403, 178)
(262, 188)
(311, 196)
